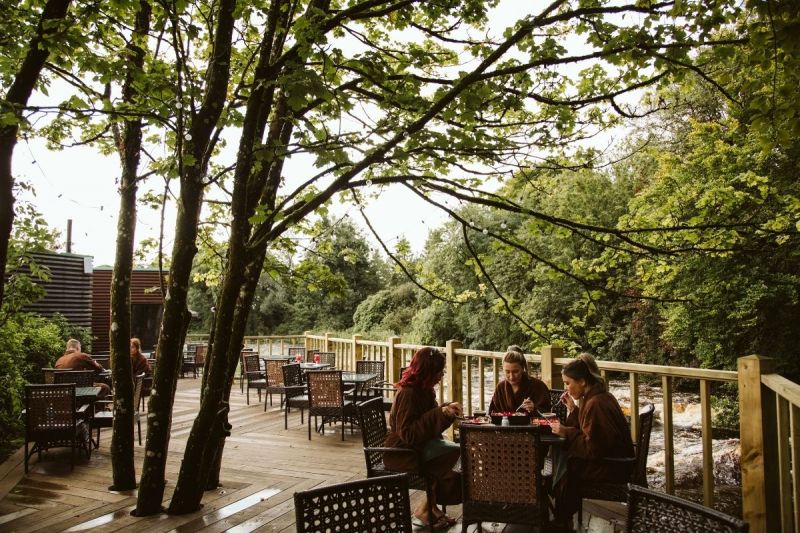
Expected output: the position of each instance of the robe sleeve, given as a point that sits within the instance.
(412, 428)
(593, 440)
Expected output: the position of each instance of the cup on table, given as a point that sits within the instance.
(298, 358)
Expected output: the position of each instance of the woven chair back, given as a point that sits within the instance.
(327, 358)
(655, 512)
(643, 444)
(50, 409)
(200, 354)
(501, 474)
(372, 420)
(275, 372)
(81, 378)
(557, 406)
(251, 364)
(138, 385)
(294, 350)
(371, 367)
(325, 390)
(292, 374)
(376, 504)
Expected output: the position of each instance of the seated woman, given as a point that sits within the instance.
(518, 389)
(138, 360)
(596, 429)
(417, 423)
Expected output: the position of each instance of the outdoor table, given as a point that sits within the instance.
(315, 366)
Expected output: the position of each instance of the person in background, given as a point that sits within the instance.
(138, 360)
(75, 359)
(518, 390)
(594, 430)
(417, 423)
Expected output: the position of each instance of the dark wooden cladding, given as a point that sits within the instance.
(145, 289)
(69, 289)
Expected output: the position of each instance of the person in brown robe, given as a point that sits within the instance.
(519, 390)
(75, 359)
(596, 429)
(417, 422)
(138, 360)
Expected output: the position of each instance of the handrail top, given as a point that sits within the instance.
(531, 357)
(662, 370)
(783, 387)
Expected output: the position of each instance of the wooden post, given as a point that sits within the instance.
(358, 351)
(708, 458)
(327, 342)
(551, 374)
(307, 341)
(394, 360)
(669, 450)
(756, 429)
(633, 381)
(454, 376)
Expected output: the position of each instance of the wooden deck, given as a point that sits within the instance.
(264, 465)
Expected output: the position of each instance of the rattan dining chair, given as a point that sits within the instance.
(294, 351)
(326, 358)
(254, 376)
(618, 492)
(370, 389)
(53, 420)
(294, 390)
(105, 418)
(501, 476)
(326, 400)
(650, 511)
(367, 505)
(81, 378)
(274, 373)
(372, 420)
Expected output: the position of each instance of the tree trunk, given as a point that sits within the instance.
(16, 98)
(170, 340)
(122, 465)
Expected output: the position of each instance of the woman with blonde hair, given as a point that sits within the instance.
(595, 429)
(519, 390)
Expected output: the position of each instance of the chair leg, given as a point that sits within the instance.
(286, 416)
(26, 456)
(139, 425)
(248, 394)
(309, 427)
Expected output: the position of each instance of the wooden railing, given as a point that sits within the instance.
(769, 406)
(770, 446)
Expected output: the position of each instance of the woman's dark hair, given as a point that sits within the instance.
(425, 366)
(515, 355)
(585, 367)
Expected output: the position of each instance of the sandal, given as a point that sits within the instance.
(443, 522)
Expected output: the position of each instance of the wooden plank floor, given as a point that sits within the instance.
(264, 465)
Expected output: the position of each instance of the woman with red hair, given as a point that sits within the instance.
(417, 423)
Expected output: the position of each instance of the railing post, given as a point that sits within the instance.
(454, 374)
(358, 351)
(394, 361)
(327, 342)
(757, 424)
(307, 341)
(551, 375)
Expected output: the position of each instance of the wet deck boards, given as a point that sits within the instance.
(264, 465)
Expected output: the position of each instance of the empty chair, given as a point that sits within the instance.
(378, 504)
(105, 419)
(501, 475)
(53, 419)
(372, 388)
(618, 492)
(294, 390)
(254, 376)
(326, 358)
(274, 374)
(294, 351)
(326, 400)
(655, 512)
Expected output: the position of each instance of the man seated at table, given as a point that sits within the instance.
(75, 359)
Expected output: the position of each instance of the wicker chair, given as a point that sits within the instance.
(294, 389)
(53, 420)
(274, 373)
(618, 492)
(372, 420)
(501, 475)
(105, 418)
(254, 376)
(326, 400)
(379, 504)
(557, 406)
(656, 512)
(294, 351)
(326, 358)
(81, 378)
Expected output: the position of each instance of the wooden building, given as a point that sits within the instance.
(68, 291)
(146, 307)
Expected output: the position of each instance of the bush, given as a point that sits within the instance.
(27, 344)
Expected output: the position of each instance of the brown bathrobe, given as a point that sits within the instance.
(140, 365)
(414, 420)
(505, 399)
(83, 361)
(597, 429)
